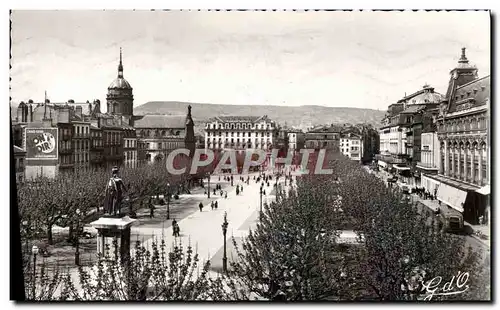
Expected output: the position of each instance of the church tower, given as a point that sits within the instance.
(120, 99)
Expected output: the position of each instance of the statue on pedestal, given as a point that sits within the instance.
(114, 194)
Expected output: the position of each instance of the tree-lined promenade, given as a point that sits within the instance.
(293, 253)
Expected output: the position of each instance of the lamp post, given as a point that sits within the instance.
(26, 231)
(77, 250)
(261, 192)
(209, 184)
(224, 232)
(168, 201)
(34, 250)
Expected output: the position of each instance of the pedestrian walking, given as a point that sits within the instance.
(175, 228)
(216, 205)
(200, 206)
(241, 189)
(212, 204)
(151, 211)
(225, 196)
(214, 191)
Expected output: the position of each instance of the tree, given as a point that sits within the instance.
(401, 250)
(292, 254)
(153, 274)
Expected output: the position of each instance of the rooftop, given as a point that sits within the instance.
(239, 119)
(160, 121)
(18, 150)
(470, 95)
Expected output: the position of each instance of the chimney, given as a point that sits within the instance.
(31, 112)
(78, 111)
(63, 115)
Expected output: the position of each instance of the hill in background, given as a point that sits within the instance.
(302, 116)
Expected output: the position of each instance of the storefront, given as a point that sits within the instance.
(452, 196)
(484, 202)
(471, 201)
(404, 174)
(429, 184)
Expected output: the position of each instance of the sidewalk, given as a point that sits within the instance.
(203, 229)
(434, 205)
(484, 229)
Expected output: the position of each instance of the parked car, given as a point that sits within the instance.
(392, 179)
(451, 222)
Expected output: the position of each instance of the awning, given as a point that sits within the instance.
(485, 190)
(382, 164)
(401, 168)
(452, 196)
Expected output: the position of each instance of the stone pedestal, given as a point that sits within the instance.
(110, 229)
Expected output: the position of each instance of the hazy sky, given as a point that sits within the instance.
(355, 59)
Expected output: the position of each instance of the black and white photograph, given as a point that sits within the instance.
(250, 155)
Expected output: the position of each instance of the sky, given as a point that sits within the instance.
(337, 59)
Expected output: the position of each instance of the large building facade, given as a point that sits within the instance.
(463, 132)
(400, 134)
(242, 133)
(351, 145)
(323, 137)
(444, 141)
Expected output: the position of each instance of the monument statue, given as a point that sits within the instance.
(114, 194)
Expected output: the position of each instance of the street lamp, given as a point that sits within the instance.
(26, 231)
(209, 184)
(261, 192)
(168, 201)
(77, 250)
(34, 250)
(224, 232)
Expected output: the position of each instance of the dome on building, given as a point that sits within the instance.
(121, 83)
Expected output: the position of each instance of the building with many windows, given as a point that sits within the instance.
(242, 133)
(400, 133)
(351, 145)
(130, 147)
(19, 163)
(323, 137)
(296, 140)
(96, 148)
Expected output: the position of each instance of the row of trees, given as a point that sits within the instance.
(43, 202)
(294, 253)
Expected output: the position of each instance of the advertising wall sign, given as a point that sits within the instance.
(41, 146)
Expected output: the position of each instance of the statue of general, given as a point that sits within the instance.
(114, 194)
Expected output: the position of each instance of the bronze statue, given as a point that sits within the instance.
(114, 194)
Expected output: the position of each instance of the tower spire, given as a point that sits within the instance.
(463, 58)
(45, 106)
(120, 66)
